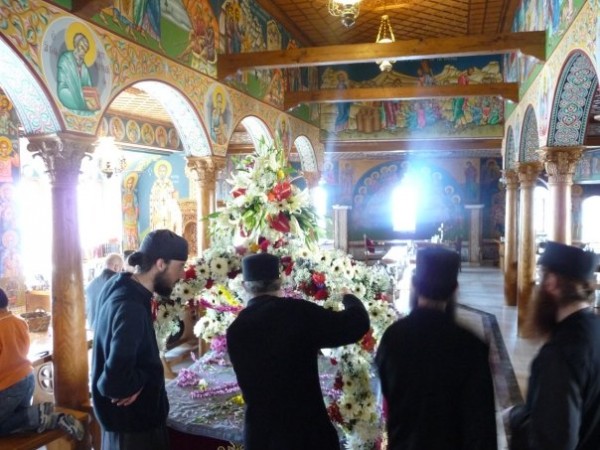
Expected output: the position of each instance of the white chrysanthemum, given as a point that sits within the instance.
(219, 267)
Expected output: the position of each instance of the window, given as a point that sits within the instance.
(590, 216)
(407, 195)
(541, 211)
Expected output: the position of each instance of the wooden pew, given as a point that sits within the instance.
(51, 439)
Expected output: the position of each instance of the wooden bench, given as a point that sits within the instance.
(52, 439)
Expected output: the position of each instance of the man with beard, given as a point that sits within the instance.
(435, 376)
(128, 383)
(562, 410)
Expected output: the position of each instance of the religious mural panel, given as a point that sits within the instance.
(10, 260)
(217, 110)
(428, 118)
(76, 67)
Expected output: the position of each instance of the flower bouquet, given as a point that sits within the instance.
(269, 213)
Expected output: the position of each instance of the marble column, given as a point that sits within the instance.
(62, 154)
(475, 233)
(560, 163)
(340, 227)
(528, 173)
(511, 180)
(205, 170)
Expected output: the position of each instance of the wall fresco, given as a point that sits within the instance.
(427, 118)
(10, 163)
(554, 16)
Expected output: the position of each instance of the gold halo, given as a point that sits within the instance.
(9, 105)
(78, 27)
(161, 163)
(219, 90)
(10, 146)
(129, 176)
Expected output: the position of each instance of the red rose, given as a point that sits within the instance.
(318, 278)
(190, 273)
(209, 283)
(368, 341)
(334, 413)
(321, 294)
(280, 223)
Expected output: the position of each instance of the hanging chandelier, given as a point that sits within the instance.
(346, 9)
(110, 158)
(385, 35)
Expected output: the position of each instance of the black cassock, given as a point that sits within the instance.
(562, 410)
(274, 345)
(436, 380)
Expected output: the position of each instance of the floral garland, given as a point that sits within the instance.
(268, 213)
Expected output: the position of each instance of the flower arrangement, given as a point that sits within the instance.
(268, 213)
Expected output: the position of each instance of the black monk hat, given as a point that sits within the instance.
(569, 261)
(436, 274)
(260, 267)
(164, 244)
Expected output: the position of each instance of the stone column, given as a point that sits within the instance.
(560, 163)
(475, 234)
(205, 170)
(62, 153)
(340, 227)
(511, 179)
(528, 174)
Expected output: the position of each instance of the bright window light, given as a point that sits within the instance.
(405, 218)
(590, 217)
(541, 210)
(319, 200)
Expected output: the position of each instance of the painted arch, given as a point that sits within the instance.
(257, 130)
(190, 128)
(308, 159)
(575, 90)
(35, 109)
(510, 153)
(530, 139)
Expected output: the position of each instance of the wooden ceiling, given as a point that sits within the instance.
(312, 25)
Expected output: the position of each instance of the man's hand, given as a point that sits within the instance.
(127, 400)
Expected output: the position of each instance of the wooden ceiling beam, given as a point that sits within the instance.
(415, 145)
(89, 8)
(508, 91)
(532, 43)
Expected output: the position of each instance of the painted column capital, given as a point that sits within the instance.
(62, 154)
(510, 178)
(206, 168)
(528, 172)
(560, 162)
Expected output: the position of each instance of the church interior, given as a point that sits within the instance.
(472, 126)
